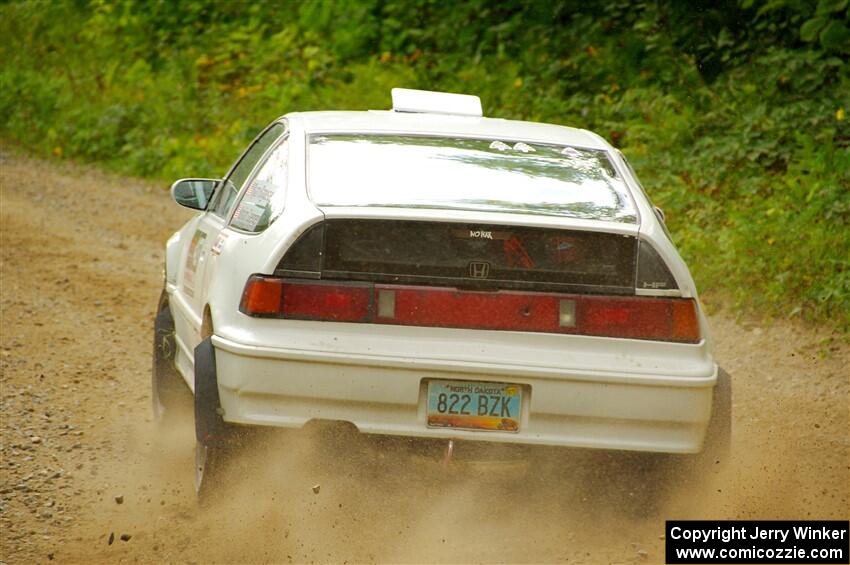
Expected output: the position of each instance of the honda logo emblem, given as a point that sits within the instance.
(479, 270)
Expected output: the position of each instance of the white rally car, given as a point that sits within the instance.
(429, 272)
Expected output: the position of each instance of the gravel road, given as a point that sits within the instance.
(86, 477)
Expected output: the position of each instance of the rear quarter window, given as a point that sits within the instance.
(229, 190)
(265, 194)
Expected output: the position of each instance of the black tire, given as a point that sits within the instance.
(169, 393)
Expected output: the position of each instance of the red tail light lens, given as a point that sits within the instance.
(262, 297)
(332, 302)
(642, 318)
(279, 298)
(663, 319)
(450, 308)
(685, 322)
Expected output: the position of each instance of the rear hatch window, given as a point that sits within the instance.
(495, 175)
(464, 256)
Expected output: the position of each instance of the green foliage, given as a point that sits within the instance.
(734, 112)
(829, 26)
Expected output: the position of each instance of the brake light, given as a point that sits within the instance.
(685, 323)
(262, 296)
(647, 318)
(663, 319)
(279, 298)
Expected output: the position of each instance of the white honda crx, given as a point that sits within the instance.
(429, 272)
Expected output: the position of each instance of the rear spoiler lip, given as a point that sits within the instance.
(475, 216)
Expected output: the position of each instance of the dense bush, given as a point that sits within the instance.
(732, 111)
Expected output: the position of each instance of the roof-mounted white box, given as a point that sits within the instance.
(426, 101)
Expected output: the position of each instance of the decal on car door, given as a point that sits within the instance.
(192, 258)
(219, 243)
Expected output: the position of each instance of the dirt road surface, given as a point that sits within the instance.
(82, 253)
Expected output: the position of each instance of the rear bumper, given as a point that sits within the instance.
(583, 407)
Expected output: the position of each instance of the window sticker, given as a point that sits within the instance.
(570, 151)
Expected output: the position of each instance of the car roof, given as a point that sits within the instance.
(422, 123)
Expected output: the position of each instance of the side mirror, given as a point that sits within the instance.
(193, 193)
(660, 214)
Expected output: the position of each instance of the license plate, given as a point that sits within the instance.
(474, 405)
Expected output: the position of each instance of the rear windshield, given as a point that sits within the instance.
(493, 175)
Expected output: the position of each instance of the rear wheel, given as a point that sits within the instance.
(169, 393)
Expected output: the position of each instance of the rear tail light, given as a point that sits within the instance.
(664, 319)
(262, 297)
(271, 297)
